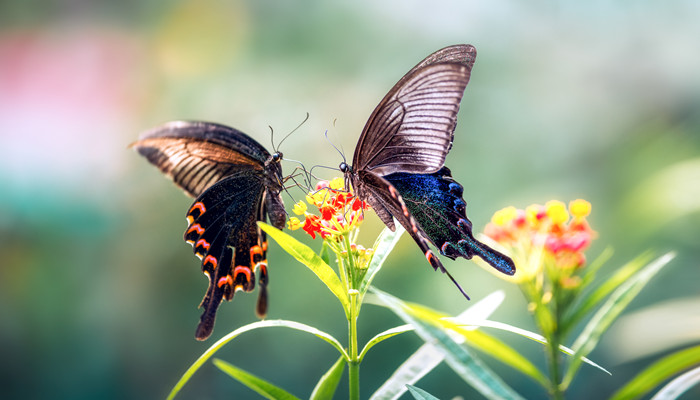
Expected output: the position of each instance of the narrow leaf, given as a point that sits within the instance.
(325, 253)
(382, 247)
(326, 386)
(383, 336)
(260, 386)
(427, 357)
(594, 298)
(420, 394)
(468, 367)
(483, 342)
(255, 325)
(678, 386)
(524, 333)
(658, 372)
(613, 307)
(311, 260)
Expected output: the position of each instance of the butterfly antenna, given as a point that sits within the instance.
(336, 149)
(272, 139)
(293, 130)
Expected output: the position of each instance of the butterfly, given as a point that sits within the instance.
(235, 182)
(398, 165)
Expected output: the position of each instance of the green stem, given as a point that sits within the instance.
(554, 367)
(353, 363)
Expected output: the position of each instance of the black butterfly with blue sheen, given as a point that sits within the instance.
(398, 165)
(236, 182)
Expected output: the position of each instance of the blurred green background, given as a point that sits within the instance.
(98, 293)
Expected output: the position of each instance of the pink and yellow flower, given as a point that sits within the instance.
(544, 235)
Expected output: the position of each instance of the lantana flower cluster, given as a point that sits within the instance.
(339, 211)
(544, 235)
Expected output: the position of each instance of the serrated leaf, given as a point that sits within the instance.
(420, 394)
(311, 260)
(468, 367)
(611, 309)
(255, 325)
(658, 372)
(427, 357)
(326, 386)
(260, 386)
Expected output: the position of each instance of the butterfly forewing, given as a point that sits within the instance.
(412, 128)
(195, 155)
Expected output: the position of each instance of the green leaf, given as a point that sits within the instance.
(383, 336)
(261, 386)
(678, 386)
(382, 247)
(524, 333)
(325, 253)
(306, 256)
(326, 386)
(594, 298)
(468, 367)
(483, 342)
(658, 372)
(427, 357)
(255, 325)
(420, 394)
(606, 315)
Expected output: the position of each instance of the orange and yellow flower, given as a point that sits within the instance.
(339, 211)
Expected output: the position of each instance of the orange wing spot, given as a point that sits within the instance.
(195, 227)
(207, 274)
(242, 270)
(429, 256)
(198, 205)
(414, 228)
(225, 280)
(262, 265)
(203, 243)
(392, 191)
(211, 260)
(264, 245)
(190, 220)
(256, 250)
(405, 210)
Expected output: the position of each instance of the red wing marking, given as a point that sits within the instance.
(203, 243)
(210, 260)
(195, 227)
(240, 269)
(198, 205)
(264, 246)
(225, 280)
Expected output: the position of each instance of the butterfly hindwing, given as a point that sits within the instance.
(223, 233)
(436, 203)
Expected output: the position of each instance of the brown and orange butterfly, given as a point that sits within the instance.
(236, 182)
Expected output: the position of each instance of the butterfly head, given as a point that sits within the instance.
(276, 156)
(344, 167)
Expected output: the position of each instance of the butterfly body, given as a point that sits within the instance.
(398, 164)
(236, 182)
